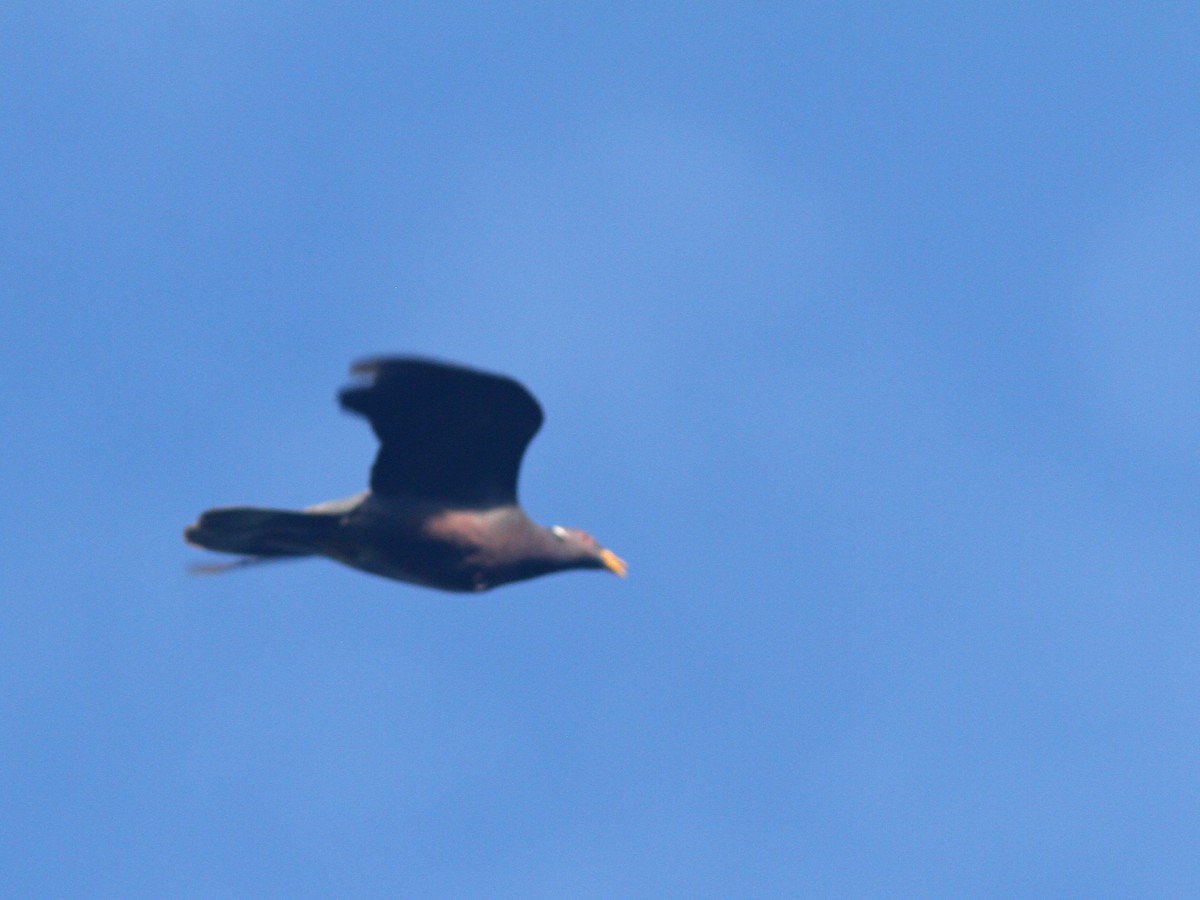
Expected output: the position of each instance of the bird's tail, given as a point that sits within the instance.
(260, 533)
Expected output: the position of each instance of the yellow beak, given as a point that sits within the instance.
(613, 563)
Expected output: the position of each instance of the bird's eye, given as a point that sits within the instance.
(559, 532)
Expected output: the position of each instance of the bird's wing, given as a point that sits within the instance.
(446, 433)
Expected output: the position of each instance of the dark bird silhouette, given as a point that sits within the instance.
(442, 508)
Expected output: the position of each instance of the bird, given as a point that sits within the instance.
(441, 510)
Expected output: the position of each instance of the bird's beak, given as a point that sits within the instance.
(613, 563)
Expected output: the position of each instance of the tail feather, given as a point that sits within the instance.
(217, 568)
(262, 533)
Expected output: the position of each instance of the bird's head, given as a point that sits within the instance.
(587, 548)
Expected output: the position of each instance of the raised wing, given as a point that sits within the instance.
(446, 433)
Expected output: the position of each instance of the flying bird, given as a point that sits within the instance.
(442, 507)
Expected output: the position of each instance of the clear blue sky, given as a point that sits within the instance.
(870, 338)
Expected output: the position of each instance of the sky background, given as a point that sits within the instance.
(870, 337)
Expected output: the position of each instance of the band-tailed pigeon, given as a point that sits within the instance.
(442, 507)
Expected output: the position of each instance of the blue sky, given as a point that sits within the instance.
(869, 337)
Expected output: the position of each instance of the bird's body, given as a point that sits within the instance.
(442, 509)
(434, 546)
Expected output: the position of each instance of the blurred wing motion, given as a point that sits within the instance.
(446, 433)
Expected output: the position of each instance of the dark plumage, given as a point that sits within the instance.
(442, 509)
